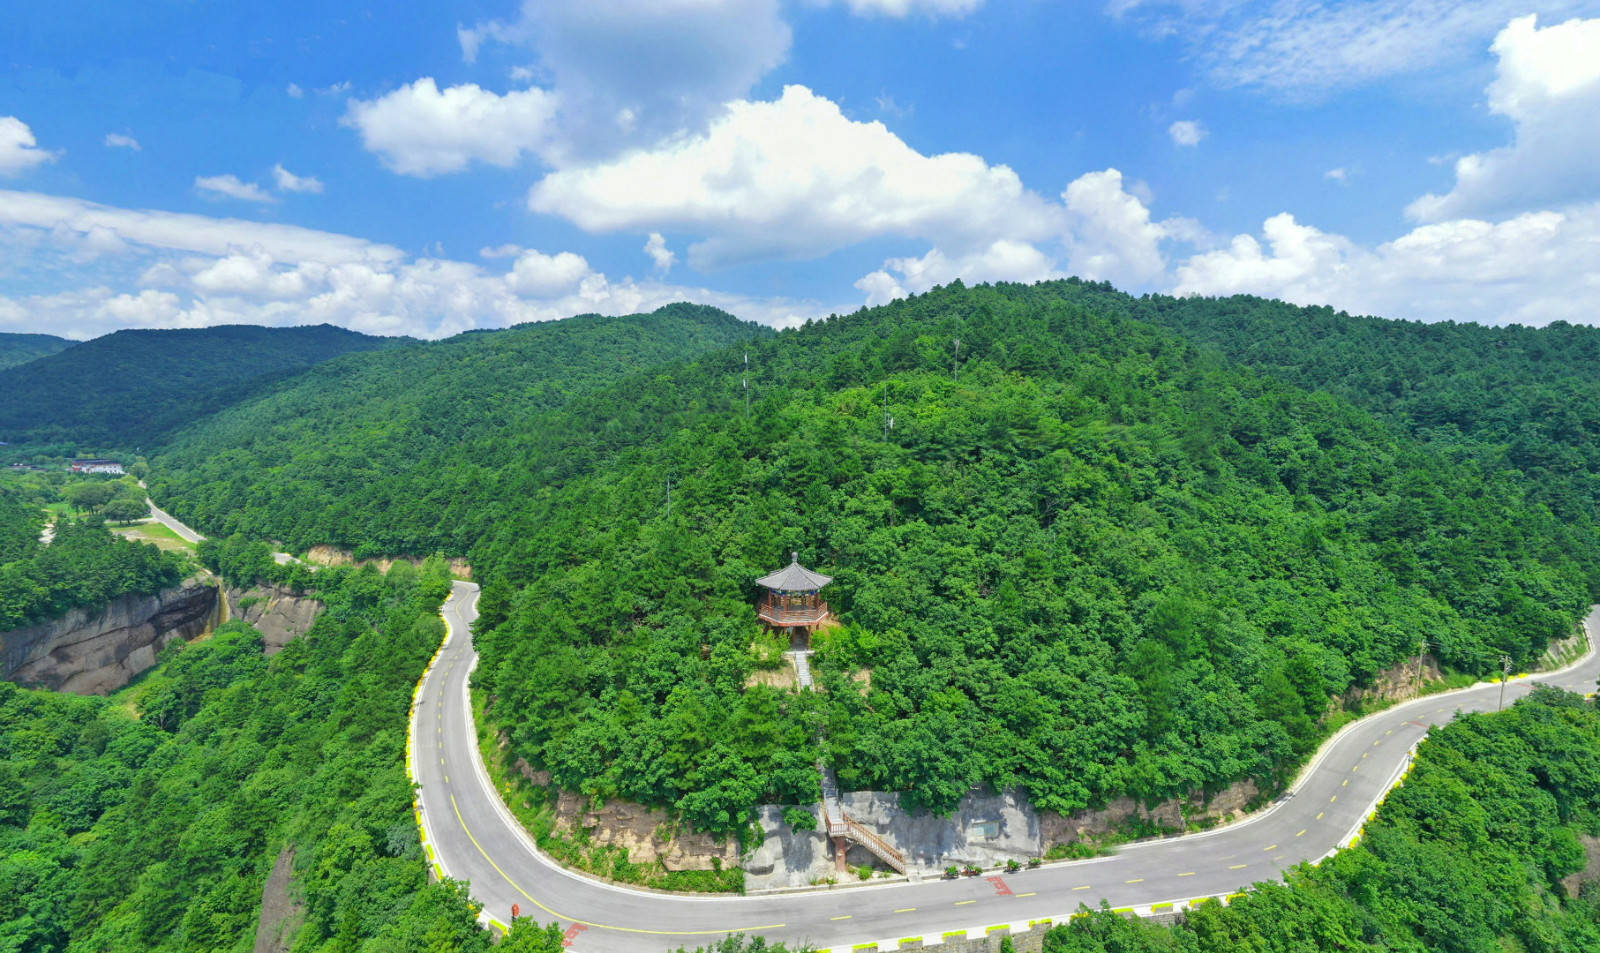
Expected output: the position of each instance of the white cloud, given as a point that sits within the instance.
(660, 255)
(289, 182)
(116, 140)
(1187, 132)
(1305, 48)
(668, 65)
(1548, 85)
(172, 231)
(1532, 268)
(905, 8)
(19, 150)
(500, 251)
(1002, 260)
(193, 271)
(230, 186)
(1340, 175)
(1112, 237)
(424, 131)
(294, 91)
(795, 177)
(539, 275)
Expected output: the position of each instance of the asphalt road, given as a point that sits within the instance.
(172, 522)
(472, 837)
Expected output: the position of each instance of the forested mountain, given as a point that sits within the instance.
(127, 389)
(1101, 561)
(412, 449)
(18, 349)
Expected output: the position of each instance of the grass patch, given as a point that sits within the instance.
(157, 534)
(534, 809)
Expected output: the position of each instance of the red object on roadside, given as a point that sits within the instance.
(515, 911)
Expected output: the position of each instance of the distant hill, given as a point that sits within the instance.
(127, 389)
(412, 449)
(16, 349)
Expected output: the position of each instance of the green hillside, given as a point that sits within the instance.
(127, 389)
(149, 822)
(18, 349)
(1104, 561)
(414, 449)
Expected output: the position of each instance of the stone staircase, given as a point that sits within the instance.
(843, 829)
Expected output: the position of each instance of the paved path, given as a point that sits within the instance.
(473, 838)
(173, 523)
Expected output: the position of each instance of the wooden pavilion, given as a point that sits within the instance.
(793, 598)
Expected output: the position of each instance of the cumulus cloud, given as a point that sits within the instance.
(631, 71)
(794, 177)
(1001, 260)
(1187, 132)
(116, 140)
(424, 131)
(19, 150)
(1548, 84)
(1112, 236)
(230, 186)
(1303, 48)
(294, 91)
(1340, 175)
(194, 271)
(660, 255)
(539, 275)
(1531, 268)
(289, 182)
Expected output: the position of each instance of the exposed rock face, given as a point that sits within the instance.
(96, 651)
(334, 556)
(281, 913)
(277, 613)
(985, 829)
(646, 832)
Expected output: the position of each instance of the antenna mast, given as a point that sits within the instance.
(746, 381)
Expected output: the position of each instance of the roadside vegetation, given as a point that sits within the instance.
(1491, 844)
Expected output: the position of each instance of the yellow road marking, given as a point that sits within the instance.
(1270, 847)
(1319, 814)
(1301, 834)
(845, 917)
(1377, 743)
(1028, 894)
(1084, 887)
(1345, 783)
(1332, 799)
(906, 910)
(1364, 756)
(1136, 880)
(590, 923)
(962, 903)
(1388, 733)
(1237, 867)
(1187, 874)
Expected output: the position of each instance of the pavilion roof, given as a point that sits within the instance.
(794, 578)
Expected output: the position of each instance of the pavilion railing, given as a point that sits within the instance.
(779, 614)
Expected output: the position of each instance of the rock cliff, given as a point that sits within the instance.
(96, 651)
(277, 613)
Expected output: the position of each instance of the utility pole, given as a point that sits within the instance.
(955, 370)
(746, 381)
(669, 498)
(1505, 672)
(888, 421)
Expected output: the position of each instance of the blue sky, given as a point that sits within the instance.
(417, 169)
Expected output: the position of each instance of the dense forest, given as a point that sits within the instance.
(408, 450)
(18, 349)
(1089, 559)
(127, 389)
(150, 821)
(1468, 856)
(1086, 540)
(84, 565)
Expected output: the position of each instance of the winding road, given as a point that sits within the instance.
(470, 835)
